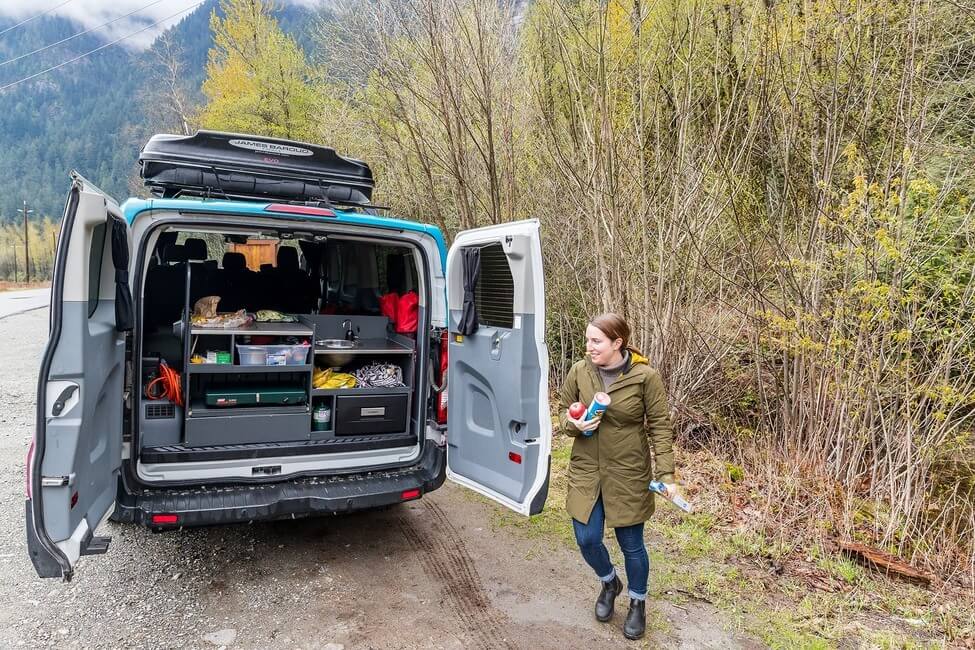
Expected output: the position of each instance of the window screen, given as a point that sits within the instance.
(495, 291)
(95, 256)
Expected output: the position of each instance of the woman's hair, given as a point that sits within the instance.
(615, 327)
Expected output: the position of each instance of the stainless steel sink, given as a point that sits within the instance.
(337, 358)
(337, 344)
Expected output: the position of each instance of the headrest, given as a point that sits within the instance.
(267, 268)
(196, 249)
(166, 238)
(174, 253)
(234, 262)
(288, 258)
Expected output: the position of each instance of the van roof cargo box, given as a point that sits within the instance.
(229, 165)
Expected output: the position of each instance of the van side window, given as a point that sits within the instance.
(494, 294)
(95, 256)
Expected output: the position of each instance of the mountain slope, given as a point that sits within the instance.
(73, 117)
(90, 115)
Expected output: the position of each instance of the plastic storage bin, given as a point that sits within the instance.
(252, 355)
(273, 355)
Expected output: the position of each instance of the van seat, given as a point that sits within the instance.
(236, 283)
(174, 253)
(164, 287)
(196, 249)
(292, 287)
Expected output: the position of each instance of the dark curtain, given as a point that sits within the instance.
(472, 272)
(313, 252)
(124, 317)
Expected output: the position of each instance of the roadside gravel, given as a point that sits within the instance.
(433, 573)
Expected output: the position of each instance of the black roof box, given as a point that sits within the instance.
(230, 165)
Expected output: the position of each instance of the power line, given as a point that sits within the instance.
(71, 38)
(34, 17)
(102, 47)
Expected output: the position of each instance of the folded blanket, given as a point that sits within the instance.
(379, 375)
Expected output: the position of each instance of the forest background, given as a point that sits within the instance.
(776, 195)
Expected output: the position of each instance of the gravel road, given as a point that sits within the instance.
(428, 574)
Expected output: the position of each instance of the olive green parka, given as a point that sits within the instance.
(615, 460)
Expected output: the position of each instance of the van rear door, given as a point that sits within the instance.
(499, 431)
(73, 463)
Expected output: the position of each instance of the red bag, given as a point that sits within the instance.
(407, 313)
(388, 305)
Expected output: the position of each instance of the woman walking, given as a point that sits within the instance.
(611, 467)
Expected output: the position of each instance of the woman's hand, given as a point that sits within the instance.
(585, 426)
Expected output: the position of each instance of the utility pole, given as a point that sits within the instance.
(26, 242)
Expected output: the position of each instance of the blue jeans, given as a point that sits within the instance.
(635, 559)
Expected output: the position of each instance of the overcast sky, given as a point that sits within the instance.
(92, 13)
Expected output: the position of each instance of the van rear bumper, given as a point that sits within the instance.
(302, 497)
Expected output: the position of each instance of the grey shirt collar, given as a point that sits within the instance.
(609, 375)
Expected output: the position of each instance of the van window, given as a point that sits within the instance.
(494, 294)
(213, 246)
(95, 256)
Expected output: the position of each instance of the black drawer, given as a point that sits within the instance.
(368, 414)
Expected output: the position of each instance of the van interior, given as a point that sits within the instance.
(277, 344)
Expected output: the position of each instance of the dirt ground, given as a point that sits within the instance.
(433, 573)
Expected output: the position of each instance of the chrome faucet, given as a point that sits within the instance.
(350, 334)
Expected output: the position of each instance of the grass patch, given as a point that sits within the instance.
(699, 556)
(553, 523)
(891, 641)
(787, 630)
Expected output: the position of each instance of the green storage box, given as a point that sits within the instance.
(255, 396)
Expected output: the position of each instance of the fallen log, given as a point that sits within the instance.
(885, 563)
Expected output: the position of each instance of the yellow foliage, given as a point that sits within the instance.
(901, 335)
(257, 78)
(42, 235)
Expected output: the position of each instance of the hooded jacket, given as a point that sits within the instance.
(615, 460)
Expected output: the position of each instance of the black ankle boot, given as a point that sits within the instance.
(607, 599)
(636, 619)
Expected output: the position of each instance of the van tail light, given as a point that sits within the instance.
(27, 470)
(165, 519)
(409, 495)
(442, 380)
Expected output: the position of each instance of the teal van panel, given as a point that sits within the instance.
(133, 207)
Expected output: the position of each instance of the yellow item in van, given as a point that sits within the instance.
(330, 379)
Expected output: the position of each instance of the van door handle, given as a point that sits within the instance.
(496, 347)
(63, 399)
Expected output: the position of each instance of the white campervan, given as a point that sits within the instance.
(258, 343)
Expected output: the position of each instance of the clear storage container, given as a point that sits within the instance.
(273, 355)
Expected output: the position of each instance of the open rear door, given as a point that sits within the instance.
(74, 460)
(499, 432)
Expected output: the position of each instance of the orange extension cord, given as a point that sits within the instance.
(172, 388)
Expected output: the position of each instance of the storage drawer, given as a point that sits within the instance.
(231, 396)
(369, 414)
(246, 429)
